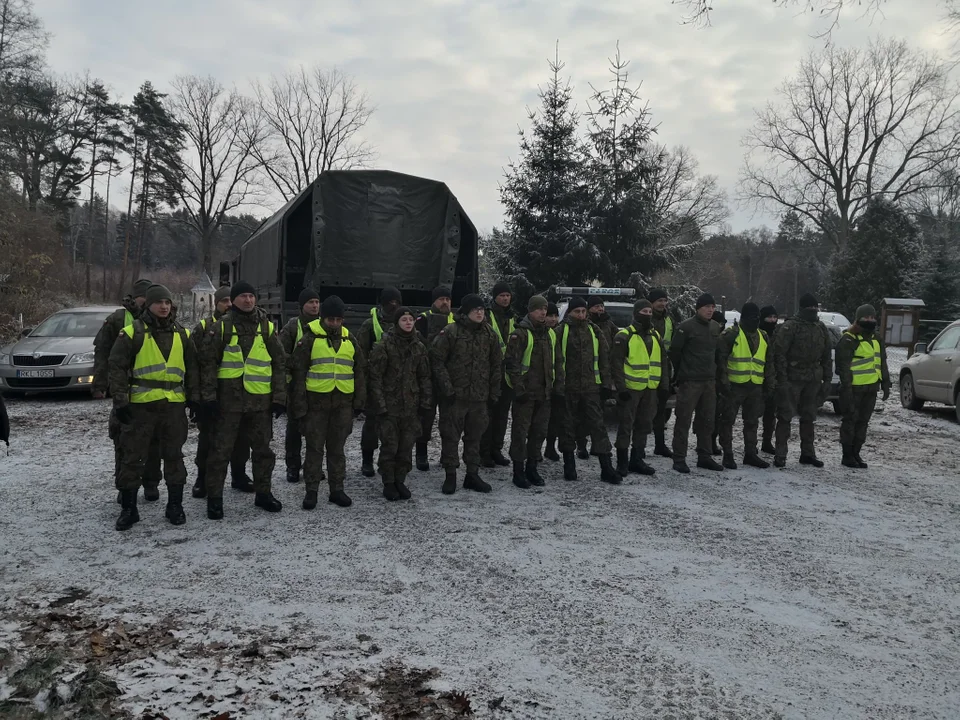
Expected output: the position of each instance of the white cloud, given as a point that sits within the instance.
(452, 80)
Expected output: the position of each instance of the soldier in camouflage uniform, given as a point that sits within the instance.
(153, 375)
(102, 345)
(558, 411)
(429, 325)
(862, 367)
(467, 368)
(502, 321)
(399, 391)
(598, 315)
(804, 372)
(720, 319)
(768, 323)
(239, 480)
(243, 381)
(369, 334)
(535, 374)
(663, 324)
(290, 335)
(329, 383)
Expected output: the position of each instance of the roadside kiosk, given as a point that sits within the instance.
(900, 321)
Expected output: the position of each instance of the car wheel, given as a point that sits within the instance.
(908, 393)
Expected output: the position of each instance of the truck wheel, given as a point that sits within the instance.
(908, 393)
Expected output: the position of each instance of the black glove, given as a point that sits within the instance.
(623, 396)
(124, 414)
(886, 393)
(211, 408)
(278, 410)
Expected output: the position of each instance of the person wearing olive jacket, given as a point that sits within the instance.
(862, 367)
(428, 326)
(694, 357)
(154, 377)
(243, 380)
(290, 335)
(502, 320)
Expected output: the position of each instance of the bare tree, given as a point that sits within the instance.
(684, 200)
(698, 11)
(853, 125)
(314, 118)
(225, 132)
(22, 39)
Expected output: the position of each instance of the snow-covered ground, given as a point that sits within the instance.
(789, 593)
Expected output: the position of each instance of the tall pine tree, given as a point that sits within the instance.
(544, 195)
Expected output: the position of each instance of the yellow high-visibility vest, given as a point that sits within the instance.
(596, 351)
(746, 367)
(377, 330)
(866, 366)
(667, 332)
(256, 369)
(528, 355)
(330, 370)
(642, 369)
(155, 378)
(426, 315)
(511, 326)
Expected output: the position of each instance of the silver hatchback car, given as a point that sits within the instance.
(932, 374)
(55, 356)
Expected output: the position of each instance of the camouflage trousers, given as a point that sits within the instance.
(326, 427)
(257, 427)
(161, 423)
(803, 399)
(151, 468)
(293, 445)
(635, 418)
(462, 419)
(857, 409)
(398, 435)
(530, 418)
(238, 459)
(748, 398)
(498, 414)
(695, 397)
(582, 415)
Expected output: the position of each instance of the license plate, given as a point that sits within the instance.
(34, 373)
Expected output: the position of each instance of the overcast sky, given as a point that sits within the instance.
(451, 78)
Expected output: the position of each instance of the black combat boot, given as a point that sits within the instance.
(200, 485)
(754, 460)
(129, 514)
(849, 460)
(402, 488)
(449, 482)
(309, 500)
(532, 475)
(570, 466)
(642, 468)
(708, 463)
(661, 448)
(268, 502)
(366, 466)
(582, 449)
(474, 482)
(607, 473)
(499, 459)
(728, 462)
(551, 452)
(519, 478)
(635, 465)
(779, 461)
(242, 482)
(422, 463)
(339, 497)
(680, 465)
(175, 513)
(811, 460)
(767, 446)
(293, 476)
(857, 447)
(151, 493)
(215, 508)
(623, 465)
(390, 492)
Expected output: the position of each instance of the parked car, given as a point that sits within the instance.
(55, 356)
(834, 318)
(932, 374)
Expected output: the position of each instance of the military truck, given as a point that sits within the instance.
(354, 232)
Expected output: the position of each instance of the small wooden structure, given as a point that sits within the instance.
(203, 297)
(900, 321)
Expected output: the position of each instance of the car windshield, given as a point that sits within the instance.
(69, 324)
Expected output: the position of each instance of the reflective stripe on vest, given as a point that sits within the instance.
(596, 351)
(866, 365)
(426, 316)
(153, 378)
(641, 369)
(528, 355)
(744, 366)
(330, 370)
(127, 318)
(377, 330)
(256, 369)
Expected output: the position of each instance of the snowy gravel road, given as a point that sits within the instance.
(749, 594)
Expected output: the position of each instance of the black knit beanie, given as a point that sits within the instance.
(156, 293)
(306, 295)
(140, 287)
(750, 310)
(241, 287)
(705, 299)
(657, 294)
(222, 293)
(808, 300)
(390, 294)
(576, 301)
(552, 309)
(500, 287)
(470, 302)
(594, 300)
(332, 307)
(441, 291)
(768, 310)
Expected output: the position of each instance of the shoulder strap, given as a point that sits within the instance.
(139, 333)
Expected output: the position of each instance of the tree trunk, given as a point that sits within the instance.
(88, 240)
(126, 232)
(106, 237)
(207, 250)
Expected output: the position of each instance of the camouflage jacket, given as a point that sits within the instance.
(300, 365)
(607, 326)
(289, 332)
(545, 374)
(466, 361)
(429, 325)
(578, 374)
(398, 375)
(621, 349)
(124, 354)
(728, 339)
(366, 338)
(106, 337)
(802, 352)
(230, 393)
(846, 349)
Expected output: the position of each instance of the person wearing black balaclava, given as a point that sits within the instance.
(746, 377)
(768, 323)
(802, 355)
(862, 367)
